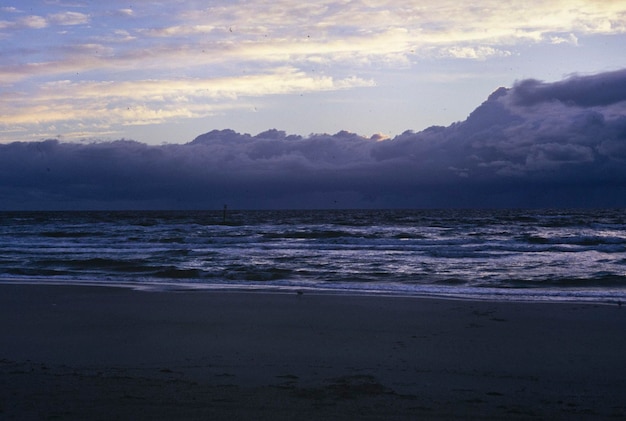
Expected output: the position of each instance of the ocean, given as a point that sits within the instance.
(520, 255)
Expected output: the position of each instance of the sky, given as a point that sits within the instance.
(274, 104)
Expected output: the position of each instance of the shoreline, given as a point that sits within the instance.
(612, 297)
(78, 352)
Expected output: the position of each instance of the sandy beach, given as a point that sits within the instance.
(75, 353)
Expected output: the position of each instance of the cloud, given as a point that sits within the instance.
(27, 22)
(352, 31)
(155, 101)
(507, 153)
(40, 22)
(564, 39)
(124, 12)
(583, 91)
(337, 32)
(476, 53)
(68, 18)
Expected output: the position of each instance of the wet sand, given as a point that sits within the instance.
(74, 353)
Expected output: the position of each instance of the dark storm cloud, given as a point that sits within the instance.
(583, 91)
(505, 154)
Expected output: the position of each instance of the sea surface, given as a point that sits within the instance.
(534, 255)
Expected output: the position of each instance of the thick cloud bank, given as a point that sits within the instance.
(605, 89)
(537, 144)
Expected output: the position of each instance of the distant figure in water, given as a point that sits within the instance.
(224, 216)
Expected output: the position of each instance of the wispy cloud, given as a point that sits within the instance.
(26, 22)
(124, 102)
(68, 18)
(40, 22)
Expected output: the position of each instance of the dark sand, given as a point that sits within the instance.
(90, 353)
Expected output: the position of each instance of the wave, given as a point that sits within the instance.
(400, 251)
(604, 243)
(71, 234)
